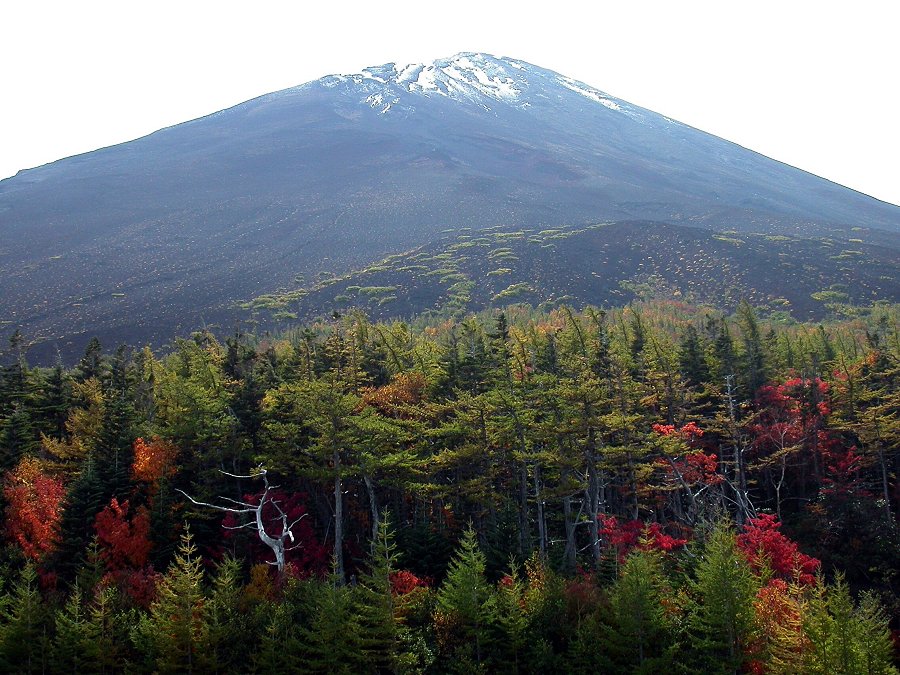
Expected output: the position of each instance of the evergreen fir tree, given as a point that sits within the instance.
(163, 525)
(722, 621)
(723, 361)
(14, 377)
(465, 601)
(639, 614)
(876, 649)
(70, 650)
(23, 626)
(84, 501)
(176, 627)
(691, 359)
(91, 364)
(282, 640)
(511, 624)
(844, 638)
(107, 633)
(114, 454)
(18, 438)
(333, 635)
(379, 623)
(54, 403)
(753, 359)
(226, 639)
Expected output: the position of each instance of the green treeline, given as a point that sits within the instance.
(648, 489)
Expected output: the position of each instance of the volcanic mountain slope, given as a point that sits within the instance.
(603, 264)
(154, 237)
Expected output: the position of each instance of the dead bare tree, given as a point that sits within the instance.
(275, 542)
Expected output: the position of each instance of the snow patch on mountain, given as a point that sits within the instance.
(589, 92)
(426, 79)
(470, 78)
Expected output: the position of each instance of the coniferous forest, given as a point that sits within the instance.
(657, 488)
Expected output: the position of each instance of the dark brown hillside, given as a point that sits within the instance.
(606, 264)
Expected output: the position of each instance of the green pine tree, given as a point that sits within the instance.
(175, 631)
(753, 359)
(70, 650)
(722, 621)
(691, 359)
(465, 604)
(333, 636)
(114, 452)
(23, 626)
(107, 632)
(843, 637)
(84, 501)
(379, 623)
(639, 614)
(511, 623)
(225, 648)
(282, 638)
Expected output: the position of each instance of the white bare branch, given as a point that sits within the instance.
(249, 524)
(274, 542)
(249, 508)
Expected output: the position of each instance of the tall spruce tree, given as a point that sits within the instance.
(24, 626)
(722, 621)
(644, 634)
(332, 642)
(114, 454)
(70, 650)
(465, 604)
(380, 626)
(174, 633)
(107, 632)
(227, 628)
(843, 637)
(753, 358)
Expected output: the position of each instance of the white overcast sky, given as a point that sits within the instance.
(813, 84)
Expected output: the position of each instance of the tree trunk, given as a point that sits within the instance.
(778, 487)
(524, 534)
(338, 516)
(539, 501)
(569, 554)
(593, 500)
(373, 506)
(884, 486)
(742, 513)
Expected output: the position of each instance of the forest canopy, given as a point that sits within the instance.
(632, 490)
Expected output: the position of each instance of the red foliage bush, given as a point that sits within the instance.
(762, 543)
(626, 536)
(404, 582)
(138, 585)
(125, 541)
(689, 432)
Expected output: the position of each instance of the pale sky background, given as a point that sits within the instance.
(813, 84)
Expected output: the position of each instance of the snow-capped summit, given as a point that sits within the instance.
(467, 77)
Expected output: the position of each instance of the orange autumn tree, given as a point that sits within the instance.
(153, 460)
(34, 507)
(393, 399)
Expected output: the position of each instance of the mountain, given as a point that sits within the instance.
(165, 233)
